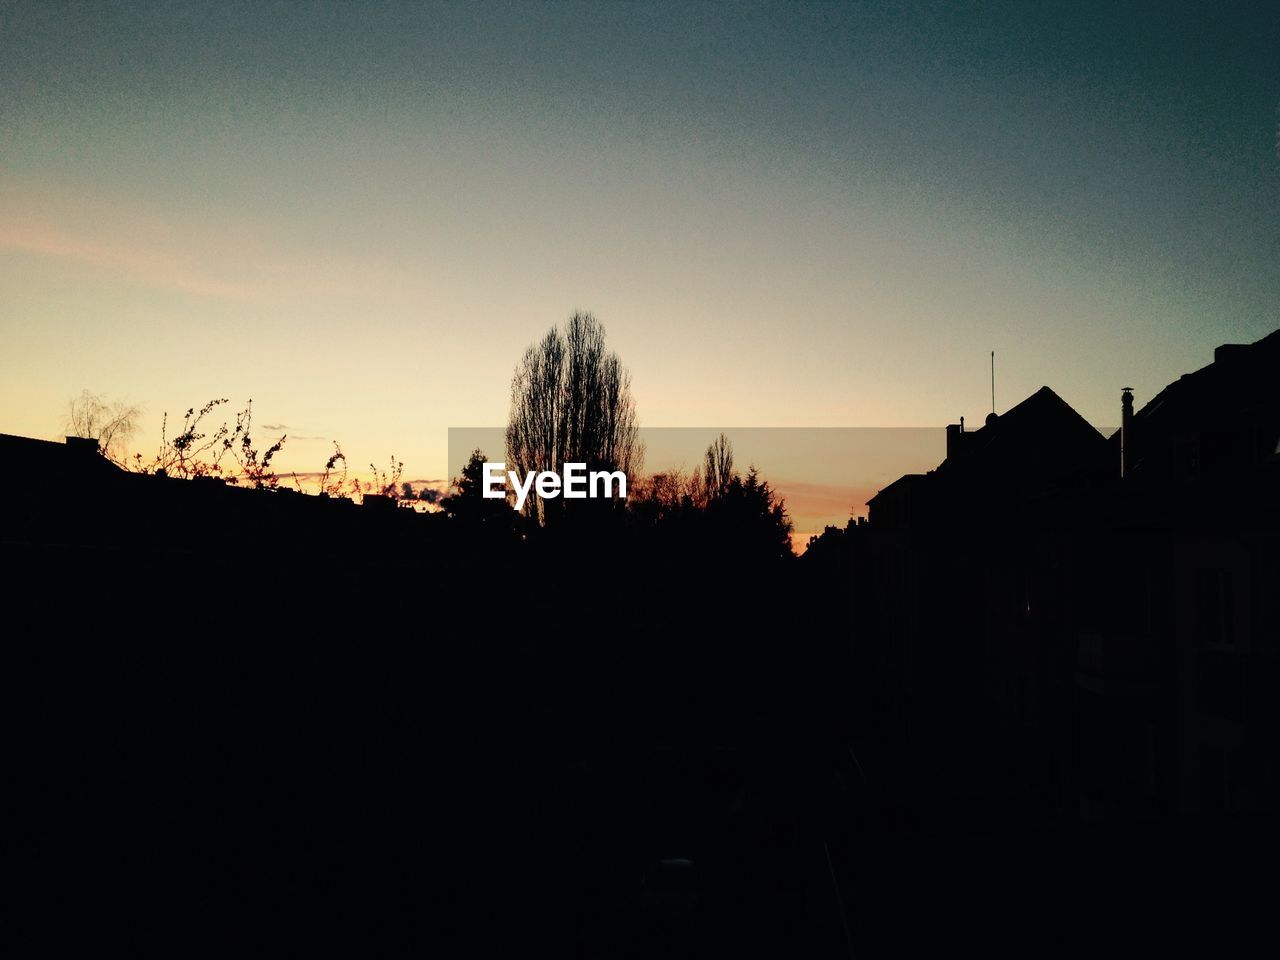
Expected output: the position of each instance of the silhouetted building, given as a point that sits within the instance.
(1070, 626)
(1178, 641)
(69, 494)
(963, 591)
(52, 463)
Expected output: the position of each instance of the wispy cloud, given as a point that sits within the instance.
(150, 265)
(247, 260)
(821, 500)
(283, 428)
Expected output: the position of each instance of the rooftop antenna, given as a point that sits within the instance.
(993, 382)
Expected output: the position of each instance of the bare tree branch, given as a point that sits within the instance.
(111, 423)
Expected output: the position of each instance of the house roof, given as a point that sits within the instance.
(1240, 376)
(1032, 444)
(1040, 416)
(44, 459)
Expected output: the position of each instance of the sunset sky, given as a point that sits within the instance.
(785, 215)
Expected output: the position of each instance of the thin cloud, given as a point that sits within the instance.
(823, 499)
(151, 266)
(246, 263)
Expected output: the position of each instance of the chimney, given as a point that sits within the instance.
(954, 432)
(1126, 429)
(1230, 353)
(83, 446)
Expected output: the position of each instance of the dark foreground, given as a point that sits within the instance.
(242, 750)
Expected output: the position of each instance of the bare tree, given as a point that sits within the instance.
(111, 423)
(717, 472)
(571, 403)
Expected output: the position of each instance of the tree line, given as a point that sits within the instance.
(571, 401)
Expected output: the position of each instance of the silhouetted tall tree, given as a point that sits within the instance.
(718, 469)
(571, 403)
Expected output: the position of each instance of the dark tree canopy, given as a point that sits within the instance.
(751, 515)
(742, 517)
(469, 507)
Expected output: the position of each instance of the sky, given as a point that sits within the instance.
(785, 215)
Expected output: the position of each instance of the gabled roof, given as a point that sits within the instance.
(1034, 445)
(1041, 417)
